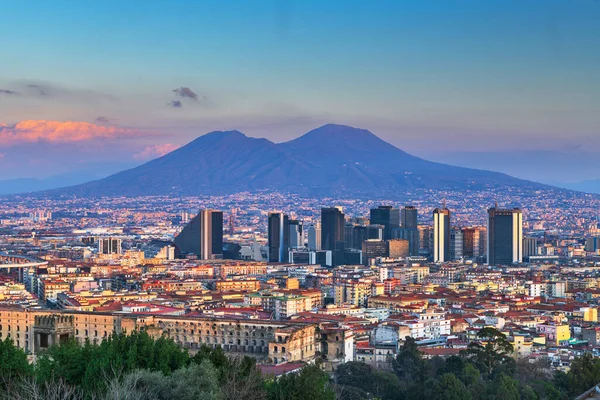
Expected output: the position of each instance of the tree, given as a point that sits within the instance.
(90, 366)
(242, 380)
(409, 364)
(65, 362)
(29, 389)
(196, 382)
(470, 375)
(451, 388)
(492, 354)
(367, 380)
(584, 374)
(13, 361)
(503, 387)
(310, 383)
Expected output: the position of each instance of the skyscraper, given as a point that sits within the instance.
(398, 248)
(360, 233)
(314, 236)
(505, 236)
(409, 217)
(373, 248)
(109, 245)
(456, 244)
(441, 234)
(296, 234)
(409, 229)
(474, 242)
(387, 216)
(376, 231)
(278, 237)
(530, 247)
(203, 235)
(332, 232)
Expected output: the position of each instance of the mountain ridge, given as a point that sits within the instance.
(329, 160)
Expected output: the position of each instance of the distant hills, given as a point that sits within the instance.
(84, 174)
(330, 160)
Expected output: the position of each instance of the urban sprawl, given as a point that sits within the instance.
(288, 281)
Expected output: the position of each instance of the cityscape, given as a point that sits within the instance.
(300, 200)
(290, 284)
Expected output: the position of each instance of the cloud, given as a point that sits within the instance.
(47, 91)
(186, 92)
(34, 131)
(105, 120)
(175, 104)
(154, 151)
(8, 92)
(41, 90)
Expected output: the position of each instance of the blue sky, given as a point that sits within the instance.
(439, 79)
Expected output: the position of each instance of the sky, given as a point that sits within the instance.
(506, 85)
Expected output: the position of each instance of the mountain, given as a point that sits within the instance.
(330, 160)
(89, 172)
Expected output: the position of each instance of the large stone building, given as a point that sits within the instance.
(267, 341)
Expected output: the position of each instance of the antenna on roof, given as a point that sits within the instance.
(444, 204)
(496, 204)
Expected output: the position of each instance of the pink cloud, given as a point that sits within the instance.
(154, 151)
(32, 131)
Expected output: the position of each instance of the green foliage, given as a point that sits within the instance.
(503, 387)
(381, 384)
(13, 361)
(90, 366)
(136, 367)
(310, 383)
(409, 364)
(451, 388)
(584, 374)
(196, 382)
(493, 354)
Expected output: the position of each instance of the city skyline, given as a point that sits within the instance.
(285, 199)
(442, 80)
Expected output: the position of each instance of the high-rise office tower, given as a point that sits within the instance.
(530, 247)
(278, 237)
(425, 239)
(592, 244)
(314, 236)
(441, 234)
(109, 245)
(332, 232)
(349, 234)
(203, 235)
(360, 233)
(373, 248)
(398, 248)
(387, 216)
(456, 244)
(231, 222)
(505, 236)
(296, 234)
(409, 229)
(376, 231)
(409, 217)
(474, 242)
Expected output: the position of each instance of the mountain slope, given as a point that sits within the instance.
(330, 160)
